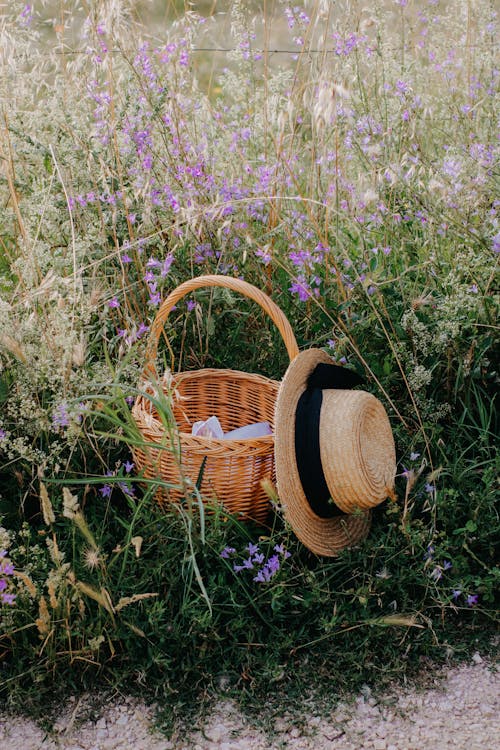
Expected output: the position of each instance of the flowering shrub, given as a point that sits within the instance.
(351, 174)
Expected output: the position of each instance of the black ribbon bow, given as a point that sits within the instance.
(307, 446)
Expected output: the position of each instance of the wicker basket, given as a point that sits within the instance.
(231, 470)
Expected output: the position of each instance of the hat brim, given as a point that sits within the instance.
(324, 536)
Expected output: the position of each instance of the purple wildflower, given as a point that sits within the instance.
(455, 594)
(127, 489)
(437, 574)
(273, 564)
(154, 299)
(260, 577)
(227, 552)
(447, 565)
(253, 549)
(106, 490)
(246, 565)
(300, 289)
(6, 568)
(414, 456)
(279, 548)
(26, 15)
(430, 488)
(3, 434)
(126, 258)
(128, 465)
(60, 416)
(165, 268)
(472, 600)
(113, 302)
(429, 554)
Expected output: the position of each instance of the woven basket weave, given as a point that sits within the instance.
(231, 470)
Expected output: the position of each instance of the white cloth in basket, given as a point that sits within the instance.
(212, 428)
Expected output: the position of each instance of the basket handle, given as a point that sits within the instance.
(228, 282)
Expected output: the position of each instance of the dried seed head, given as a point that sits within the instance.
(46, 505)
(92, 558)
(43, 620)
(79, 352)
(70, 504)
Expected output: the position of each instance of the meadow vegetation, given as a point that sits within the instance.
(354, 178)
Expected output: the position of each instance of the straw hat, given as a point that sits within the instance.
(334, 453)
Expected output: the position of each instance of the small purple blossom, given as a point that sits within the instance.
(447, 565)
(455, 594)
(128, 466)
(246, 565)
(429, 554)
(113, 302)
(430, 488)
(165, 267)
(227, 552)
(154, 299)
(437, 574)
(414, 456)
(26, 15)
(127, 489)
(3, 434)
(7, 568)
(472, 600)
(106, 490)
(60, 416)
(279, 548)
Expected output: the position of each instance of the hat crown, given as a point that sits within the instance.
(357, 449)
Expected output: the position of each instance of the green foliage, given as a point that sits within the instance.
(367, 212)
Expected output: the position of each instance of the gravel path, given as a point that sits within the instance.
(460, 710)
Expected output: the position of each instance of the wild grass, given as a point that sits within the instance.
(354, 179)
